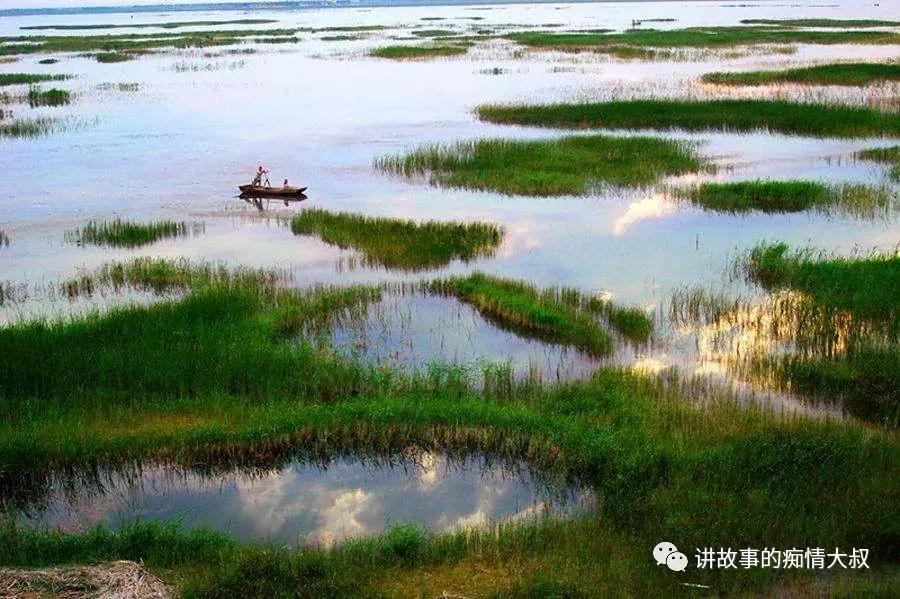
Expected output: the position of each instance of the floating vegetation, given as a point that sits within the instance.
(111, 57)
(889, 156)
(122, 87)
(29, 78)
(48, 61)
(702, 115)
(851, 74)
(51, 97)
(565, 166)
(120, 233)
(399, 243)
(167, 25)
(837, 23)
(792, 196)
(415, 52)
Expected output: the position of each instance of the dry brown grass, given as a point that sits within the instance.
(113, 580)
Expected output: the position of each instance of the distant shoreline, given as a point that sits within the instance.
(289, 5)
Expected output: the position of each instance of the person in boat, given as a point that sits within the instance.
(258, 178)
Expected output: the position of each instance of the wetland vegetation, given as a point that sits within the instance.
(792, 196)
(29, 78)
(855, 74)
(51, 97)
(889, 156)
(702, 115)
(565, 166)
(229, 389)
(122, 233)
(400, 243)
(403, 52)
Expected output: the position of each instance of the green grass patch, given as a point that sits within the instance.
(566, 166)
(111, 57)
(399, 243)
(165, 25)
(706, 115)
(121, 233)
(889, 156)
(29, 78)
(433, 32)
(861, 368)
(791, 196)
(849, 74)
(836, 23)
(557, 316)
(50, 97)
(413, 52)
(696, 37)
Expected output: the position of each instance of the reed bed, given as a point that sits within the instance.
(113, 57)
(849, 74)
(703, 115)
(29, 78)
(575, 165)
(51, 97)
(401, 52)
(34, 127)
(122, 233)
(863, 201)
(836, 23)
(399, 243)
(889, 156)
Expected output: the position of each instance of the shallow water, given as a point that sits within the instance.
(319, 112)
(303, 503)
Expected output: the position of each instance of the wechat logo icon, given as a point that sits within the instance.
(668, 554)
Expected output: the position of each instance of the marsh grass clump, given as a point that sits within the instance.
(848, 74)
(51, 97)
(702, 115)
(28, 127)
(112, 57)
(433, 32)
(121, 233)
(415, 52)
(889, 156)
(48, 61)
(557, 316)
(791, 196)
(399, 243)
(29, 78)
(836, 23)
(566, 166)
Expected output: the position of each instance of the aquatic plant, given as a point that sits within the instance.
(702, 115)
(400, 243)
(50, 97)
(164, 25)
(121, 233)
(414, 52)
(791, 196)
(569, 165)
(28, 127)
(111, 57)
(837, 23)
(48, 61)
(29, 78)
(850, 74)
(889, 156)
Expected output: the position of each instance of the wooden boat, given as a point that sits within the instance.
(280, 193)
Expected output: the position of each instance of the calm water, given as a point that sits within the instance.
(320, 111)
(303, 503)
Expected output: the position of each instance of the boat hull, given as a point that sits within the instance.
(282, 193)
